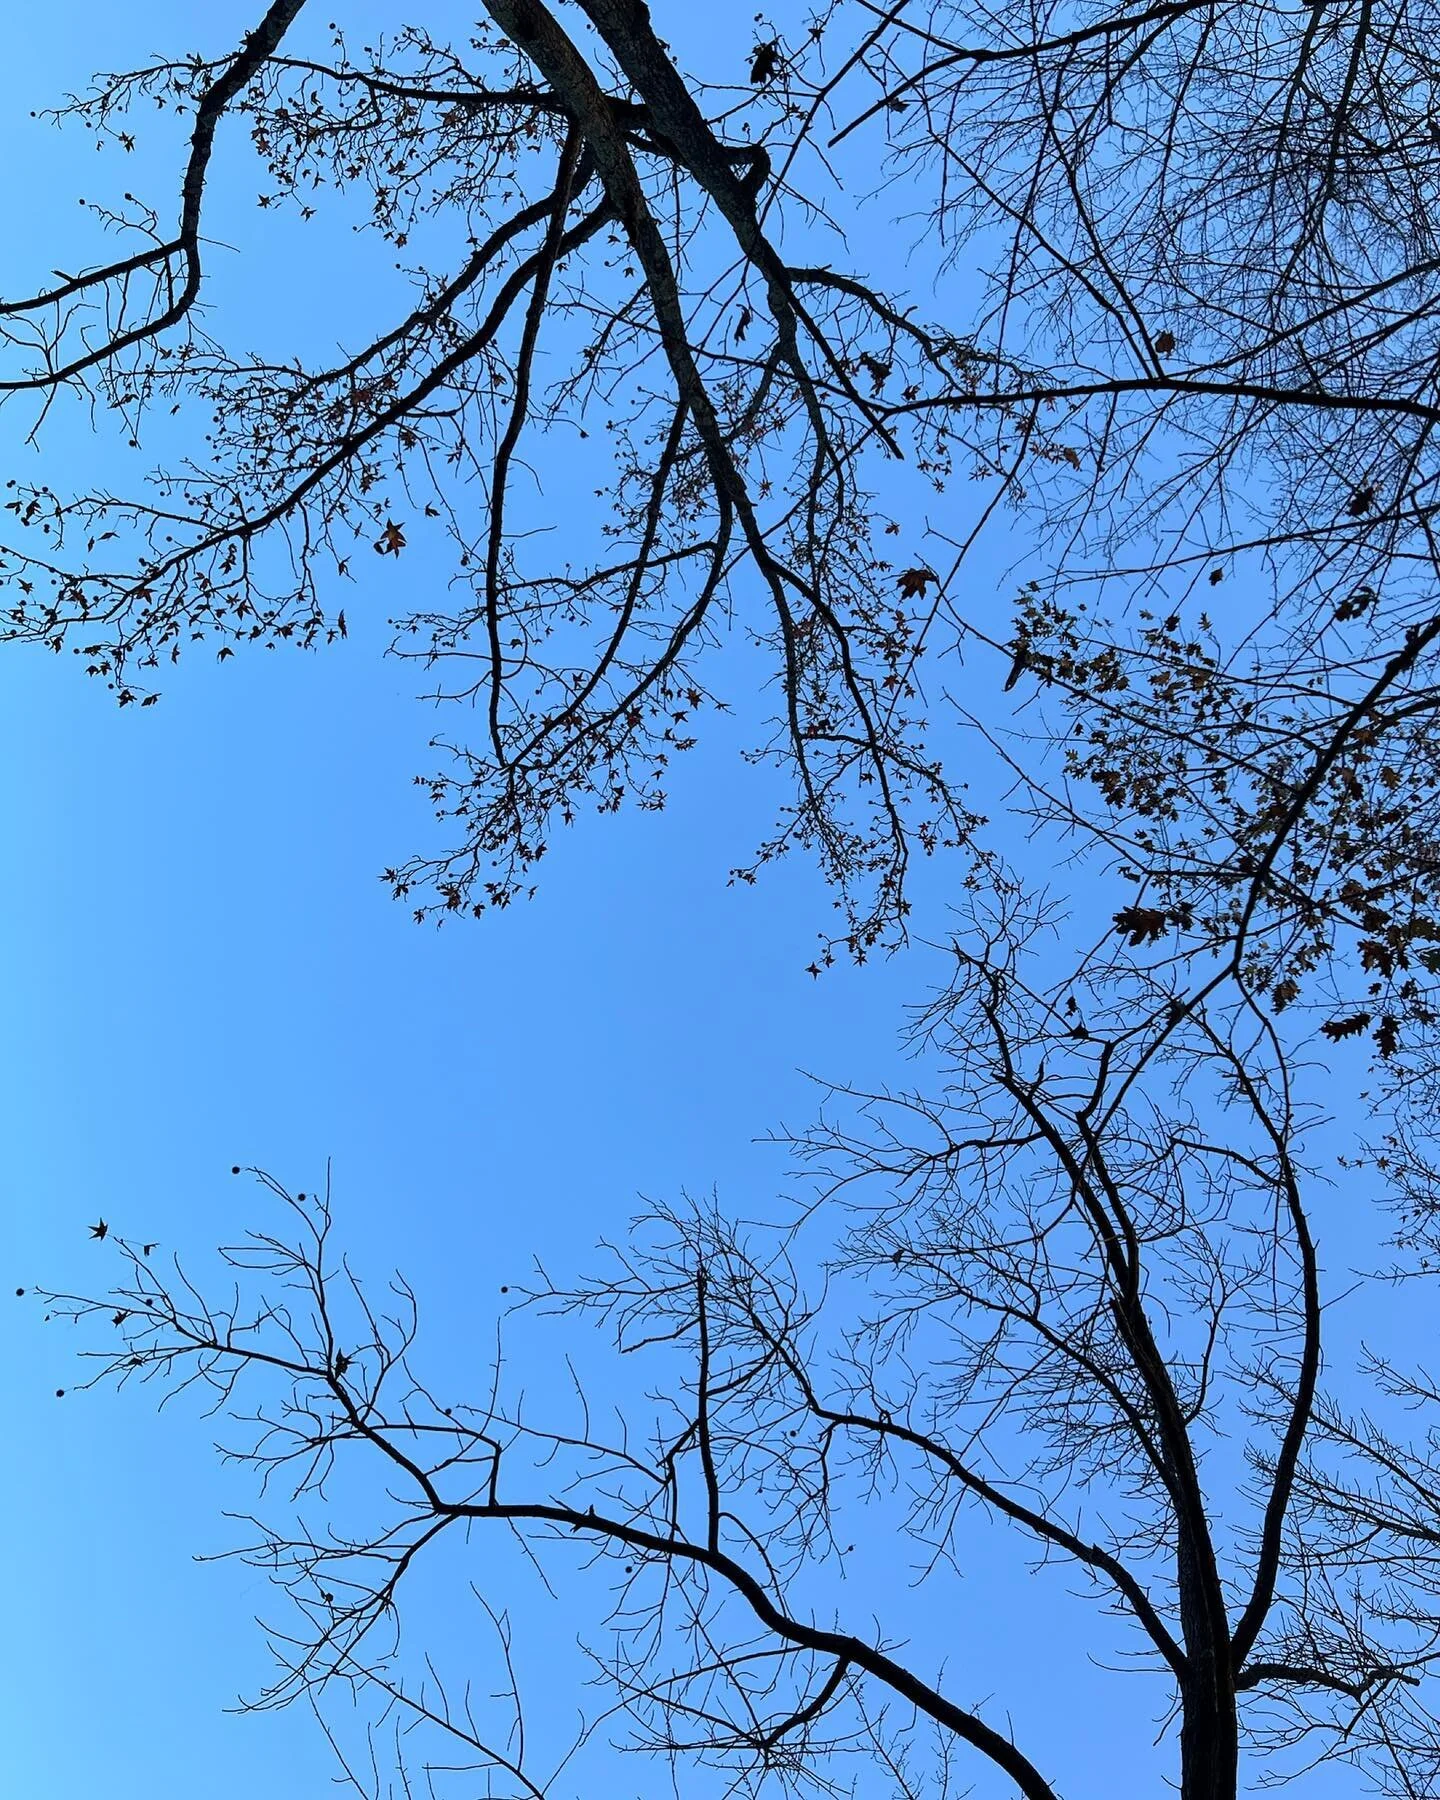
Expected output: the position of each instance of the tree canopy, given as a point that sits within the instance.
(1173, 302)
(1167, 332)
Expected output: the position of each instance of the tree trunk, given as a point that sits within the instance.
(1209, 1738)
(1209, 1723)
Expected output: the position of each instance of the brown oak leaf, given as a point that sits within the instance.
(912, 583)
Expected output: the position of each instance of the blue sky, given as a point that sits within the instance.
(200, 967)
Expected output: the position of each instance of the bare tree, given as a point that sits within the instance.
(1218, 244)
(603, 222)
(1202, 347)
(1076, 1299)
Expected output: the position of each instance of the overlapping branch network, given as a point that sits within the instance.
(619, 280)
(1202, 345)
(1053, 1302)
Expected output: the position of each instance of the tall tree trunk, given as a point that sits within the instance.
(1209, 1738)
(1209, 1725)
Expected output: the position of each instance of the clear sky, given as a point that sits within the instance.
(199, 967)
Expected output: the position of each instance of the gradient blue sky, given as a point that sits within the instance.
(200, 967)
